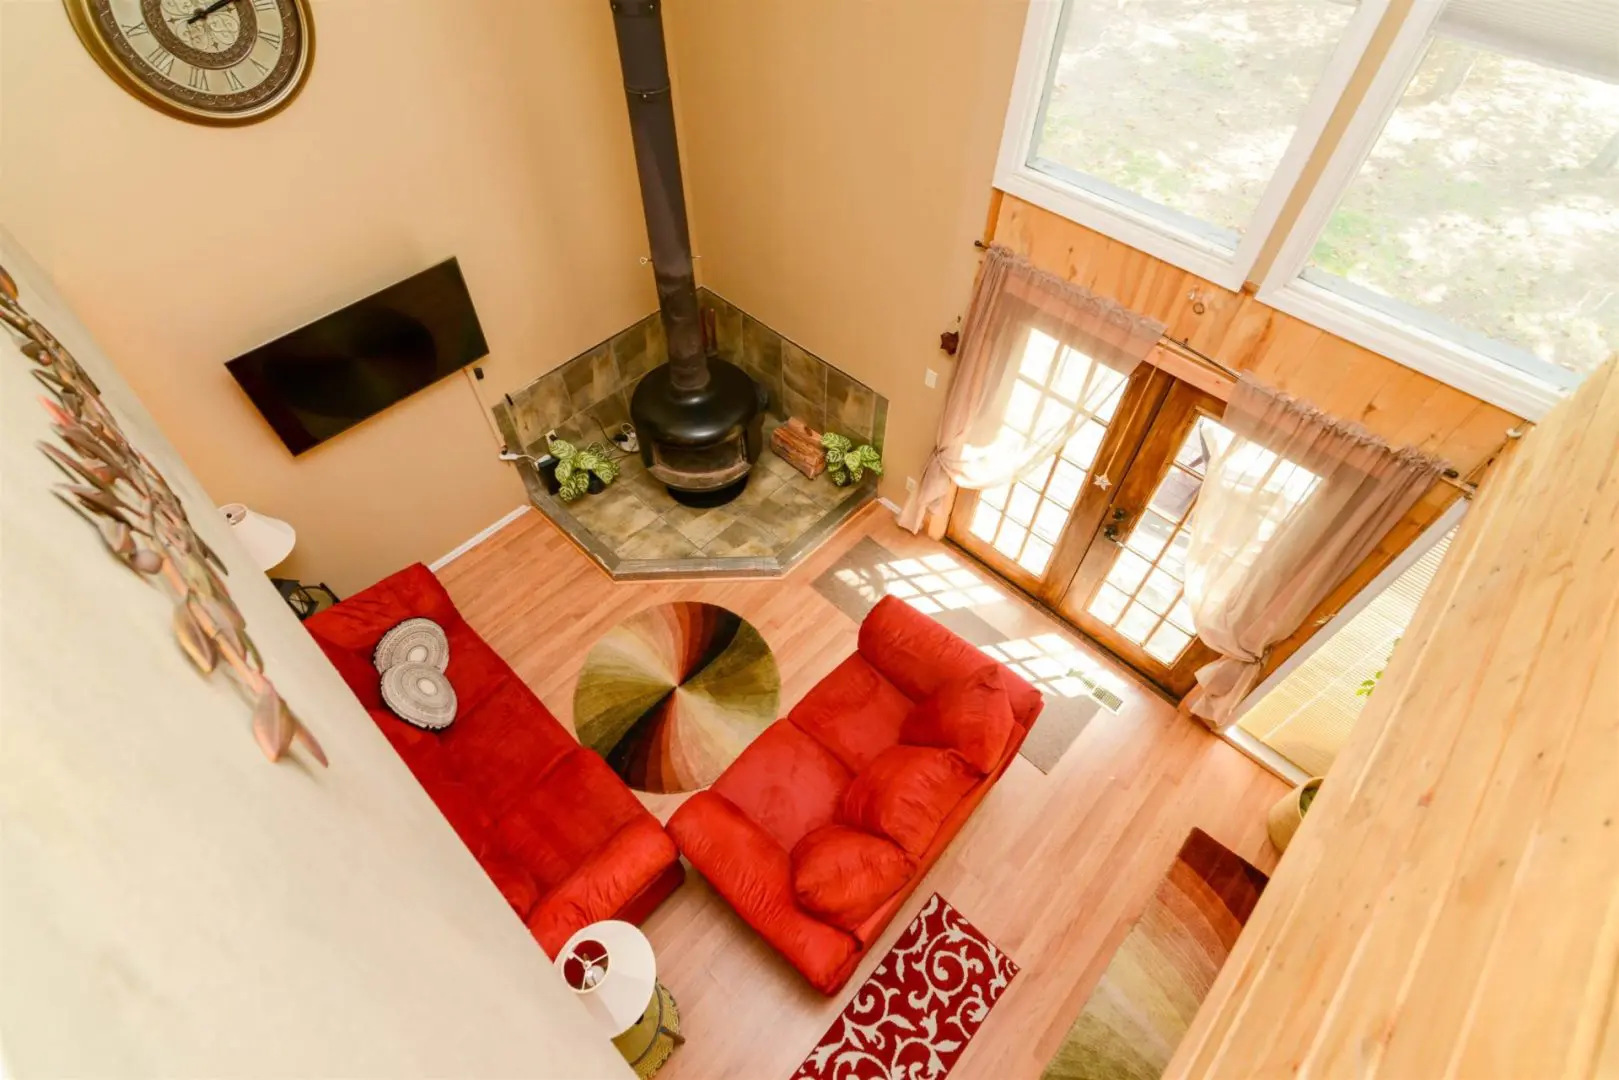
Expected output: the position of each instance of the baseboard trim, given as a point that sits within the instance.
(449, 557)
(893, 507)
(1263, 755)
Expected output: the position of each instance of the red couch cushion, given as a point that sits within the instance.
(971, 716)
(919, 656)
(606, 880)
(853, 712)
(906, 792)
(751, 870)
(843, 874)
(564, 816)
(786, 783)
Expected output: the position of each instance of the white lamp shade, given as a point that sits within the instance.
(268, 540)
(621, 997)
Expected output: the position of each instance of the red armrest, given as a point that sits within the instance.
(918, 655)
(601, 886)
(747, 867)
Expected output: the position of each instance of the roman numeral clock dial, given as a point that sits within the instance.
(206, 61)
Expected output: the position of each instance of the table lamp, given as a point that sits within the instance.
(268, 540)
(611, 967)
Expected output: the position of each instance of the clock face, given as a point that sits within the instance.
(214, 61)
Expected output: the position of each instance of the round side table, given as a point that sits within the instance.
(611, 967)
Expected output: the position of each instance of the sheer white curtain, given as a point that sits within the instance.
(1022, 318)
(1291, 505)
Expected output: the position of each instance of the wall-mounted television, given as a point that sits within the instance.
(328, 376)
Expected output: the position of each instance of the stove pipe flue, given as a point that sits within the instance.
(639, 27)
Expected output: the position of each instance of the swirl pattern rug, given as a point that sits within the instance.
(673, 694)
(916, 1013)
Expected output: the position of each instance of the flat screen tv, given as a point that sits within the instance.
(328, 376)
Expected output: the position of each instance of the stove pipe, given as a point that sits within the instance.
(639, 27)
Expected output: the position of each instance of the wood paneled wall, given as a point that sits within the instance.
(1403, 406)
(1450, 907)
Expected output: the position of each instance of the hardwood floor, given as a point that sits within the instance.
(1052, 868)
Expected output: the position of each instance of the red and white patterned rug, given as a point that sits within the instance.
(914, 1016)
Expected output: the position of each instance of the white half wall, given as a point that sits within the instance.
(171, 904)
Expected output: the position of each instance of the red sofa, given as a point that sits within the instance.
(821, 828)
(556, 829)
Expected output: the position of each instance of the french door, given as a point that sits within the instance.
(1099, 532)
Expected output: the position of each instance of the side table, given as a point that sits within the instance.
(612, 968)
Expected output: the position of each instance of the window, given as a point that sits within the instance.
(1462, 219)
(1178, 125)
(1307, 714)
(1471, 221)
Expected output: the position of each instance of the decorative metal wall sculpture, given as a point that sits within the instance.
(119, 491)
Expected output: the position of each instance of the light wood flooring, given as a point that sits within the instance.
(1052, 868)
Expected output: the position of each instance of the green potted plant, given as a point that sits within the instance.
(579, 471)
(846, 463)
(1368, 685)
(1288, 814)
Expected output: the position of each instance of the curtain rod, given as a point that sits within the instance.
(1449, 476)
(1180, 346)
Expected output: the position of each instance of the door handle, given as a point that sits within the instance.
(1110, 531)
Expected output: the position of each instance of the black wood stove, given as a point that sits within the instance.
(699, 418)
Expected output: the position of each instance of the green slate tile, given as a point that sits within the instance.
(788, 513)
(699, 525)
(613, 515)
(804, 375)
(539, 407)
(811, 412)
(658, 540)
(851, 407)
(632, 350)
(590, 378)
(508, 428)
(741, 539)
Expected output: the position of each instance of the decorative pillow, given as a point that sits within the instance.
(417, 641)
(419, 694)
(843, 874)
(971, 715)
(906, 792)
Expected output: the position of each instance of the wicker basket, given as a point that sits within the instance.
(1286, 817)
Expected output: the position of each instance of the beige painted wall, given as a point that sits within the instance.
(838, 160)
(493, 130)
(174, 905)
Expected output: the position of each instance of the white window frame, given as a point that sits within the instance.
(1148, 227)
(1528, 390)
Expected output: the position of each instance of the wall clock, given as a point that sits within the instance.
(206, 61)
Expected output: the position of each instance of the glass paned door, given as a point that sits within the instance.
(1099, 532)
(1129, 591)
(1034, 531)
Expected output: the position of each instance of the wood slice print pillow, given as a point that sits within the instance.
(412, 658)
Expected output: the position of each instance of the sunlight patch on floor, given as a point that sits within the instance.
(940, 583)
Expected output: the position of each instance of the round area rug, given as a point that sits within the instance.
(671, 695)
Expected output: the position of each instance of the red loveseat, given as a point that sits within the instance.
(556, 829)
(821, 828)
